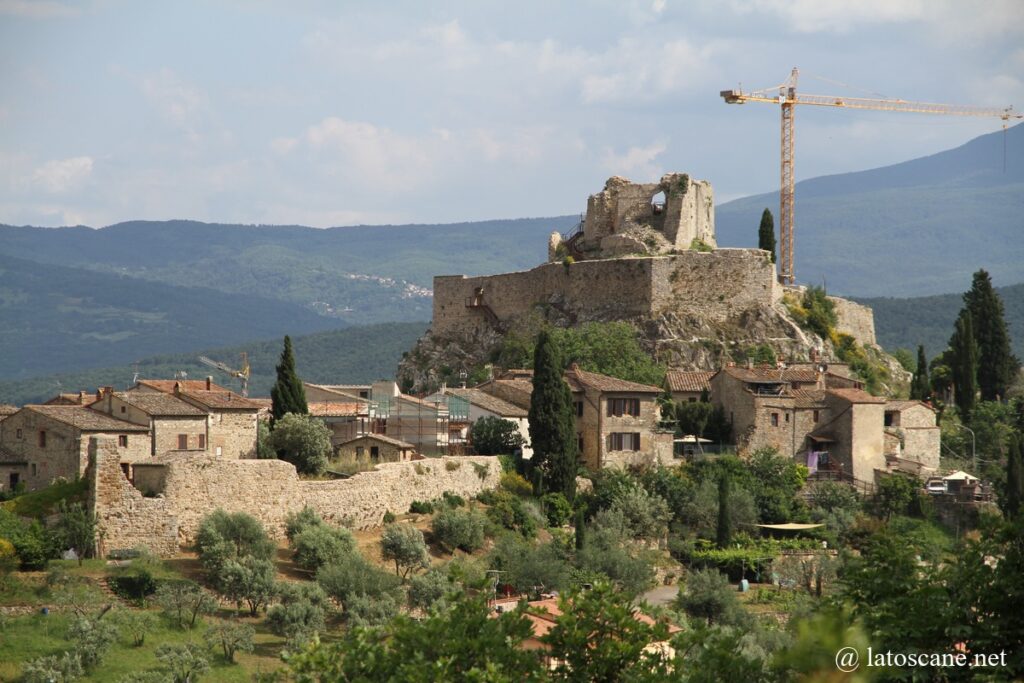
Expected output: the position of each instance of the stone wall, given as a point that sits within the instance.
(855, 319)
(190, 487)
(234, 433)
(126, 518)
(715, 285)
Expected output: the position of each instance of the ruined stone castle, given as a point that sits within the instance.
(646, 254)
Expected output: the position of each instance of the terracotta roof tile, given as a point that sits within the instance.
(904, 405)
(336, 409)
(221, 400)
(809, 398)
(85, 419)
(490, 403)
(167, 385)
(8, 409)
(159, 405)
(606, 383)
(382, 438)
(856, 396)
(689, 380)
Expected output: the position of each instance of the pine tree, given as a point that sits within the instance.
(920, 387)
(581, 529)
(724, 534)
(552, 421)
(996, 363)
(964, 366)
(1013, 494)
(288, 395)
(766, 233)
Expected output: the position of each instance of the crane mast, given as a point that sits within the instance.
(786, 96)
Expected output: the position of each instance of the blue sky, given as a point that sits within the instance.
(338, 113)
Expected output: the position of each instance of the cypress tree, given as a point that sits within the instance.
(766, 233)
(288, 395)
(581, 530)
(920, 387)
(724, 534)
(552, 423)
(996, 363)
(1013, 493)
(964, 366)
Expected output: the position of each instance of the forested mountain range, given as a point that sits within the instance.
(352, 355)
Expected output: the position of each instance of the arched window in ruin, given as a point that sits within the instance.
(658, 203)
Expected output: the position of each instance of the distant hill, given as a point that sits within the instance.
(929, 320)
(60, 319)
(351, 355)
(359, 274)
(915, 228)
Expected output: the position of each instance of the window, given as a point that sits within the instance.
(375, 452)
(18, 434)
(42, 438)
(579, 442)
(15, 477)
(889, 418)
(692, 399)
(815, 415)
(787, 417)
(775, 419)
(202, 442)
(364, 394)
(182, 442)
(623, 406)
(579, 408)
(360, 451)
(33, 469)
(123, 409)
(624, 441)
(122, 440)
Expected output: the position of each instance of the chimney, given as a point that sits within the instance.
(177, 388)
(107, 391)
(99, 394)
(209, 382)
(750, 364)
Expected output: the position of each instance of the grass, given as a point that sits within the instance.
(44, 501)
(26, 638)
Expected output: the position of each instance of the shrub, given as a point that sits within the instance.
(353, 575)
(135, 585)
(303, 441)
(512, 512)
(183, 602)
(429, 589)
(421, 507)
(62, 668)
(708, 596)
(232, 637)
(226, 536)
(527, 566)
(389, 517)
(247, 580)
(404, 544)
(300, 614)
(453, 500)
(493, 435)
(297, 522)
(135, 624)
(629, 569)
(646, 516)
(463, 529)
(92, 640)
(516, 484)
(321, 544)
(185, 663)
(362, 610)
(557, 509)
(452, 465)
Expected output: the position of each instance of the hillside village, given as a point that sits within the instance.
(808, 422)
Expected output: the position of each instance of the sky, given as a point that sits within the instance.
(342, 113)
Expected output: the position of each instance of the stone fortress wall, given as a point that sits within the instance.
(180, 492)
(632, 262)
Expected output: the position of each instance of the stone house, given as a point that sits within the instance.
(175, 426)
(373, 449)
(6, 410)
(807, 414)
(616, 421)
(41, 443)
(482, 404)
(231, 418)
(914, 426)
(420, 422)
(344, 409)
(688, 385)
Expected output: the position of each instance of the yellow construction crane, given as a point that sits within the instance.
(786, 96)
(241, 375)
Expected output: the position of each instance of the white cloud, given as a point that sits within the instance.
(38, 9)
(635, 161)
(175, 100)
(810, 16)
(373, 154)
(63, 175)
